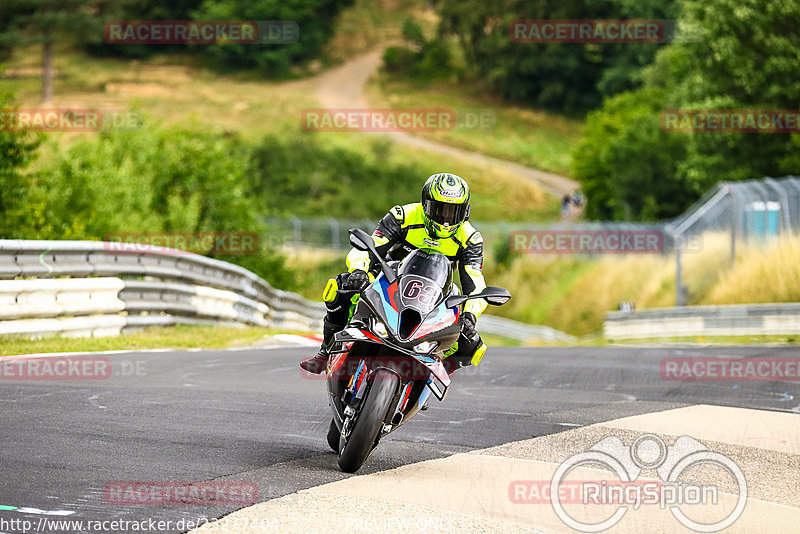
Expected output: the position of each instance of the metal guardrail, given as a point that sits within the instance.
(687, 321)
(500, 326)
(96, 288)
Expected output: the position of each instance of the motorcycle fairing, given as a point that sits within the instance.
(439, 377)
(385, 300)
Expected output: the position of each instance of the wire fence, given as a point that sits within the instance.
(735, 213)
(727, 216)
(332, 234)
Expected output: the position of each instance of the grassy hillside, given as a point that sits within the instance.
(538, 139)
(171, 90)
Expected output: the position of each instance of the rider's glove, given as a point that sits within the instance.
(357, 280)
(468, 322)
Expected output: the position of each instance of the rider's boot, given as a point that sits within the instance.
(316, 364)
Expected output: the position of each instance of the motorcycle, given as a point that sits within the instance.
(383, 367)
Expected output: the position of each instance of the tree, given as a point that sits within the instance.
(570, 77)
(118, 10)
(44, 22)
(17, 152)
(745, 56)
(314, 18)
(742, 55)
(421, 58)
(627, 164)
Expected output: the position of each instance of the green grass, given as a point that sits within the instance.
(497, 193)
(713, 340)
(176, 337)
(318, 267)
(537, 139)
(538, 286)
(498, 341)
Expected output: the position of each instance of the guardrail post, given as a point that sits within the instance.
(334, 233)
(297, 226)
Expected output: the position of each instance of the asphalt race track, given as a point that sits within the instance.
(249, 415)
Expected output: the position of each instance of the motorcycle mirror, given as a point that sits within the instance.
(357, 243)
(359, 238)
(497, 300)
(496, 296)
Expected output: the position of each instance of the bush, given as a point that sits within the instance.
(151, 180)
(627, 165)
(422, 58)
(315, 19)
(300, 175)
(17, 152)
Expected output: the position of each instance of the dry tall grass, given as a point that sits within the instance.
(766, 272)
(574, 294)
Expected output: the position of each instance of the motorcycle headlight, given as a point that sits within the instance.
(379, 328)
(425, 347)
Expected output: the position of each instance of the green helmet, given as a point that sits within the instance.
(445, 203)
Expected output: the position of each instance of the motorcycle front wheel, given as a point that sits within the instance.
(355, 451)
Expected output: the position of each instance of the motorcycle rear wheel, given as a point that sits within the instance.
(356, 450)
(333, 436)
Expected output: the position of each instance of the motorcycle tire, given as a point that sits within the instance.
(356, 450)
(333, 436)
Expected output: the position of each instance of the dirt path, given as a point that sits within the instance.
(343, 87)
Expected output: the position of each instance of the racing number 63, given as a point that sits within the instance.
(417, 290)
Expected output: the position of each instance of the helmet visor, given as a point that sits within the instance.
(444, 213)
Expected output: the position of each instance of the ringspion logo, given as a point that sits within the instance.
(629, 491)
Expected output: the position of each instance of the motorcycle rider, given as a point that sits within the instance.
(439, 222)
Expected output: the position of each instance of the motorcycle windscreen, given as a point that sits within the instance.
(428, 264)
